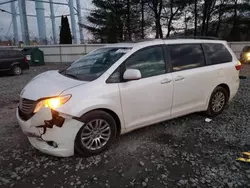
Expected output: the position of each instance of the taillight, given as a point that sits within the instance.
(25, 60)
(238, 66)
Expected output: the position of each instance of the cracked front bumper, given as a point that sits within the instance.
(40, 136)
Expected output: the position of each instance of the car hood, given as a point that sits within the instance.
(48, 84)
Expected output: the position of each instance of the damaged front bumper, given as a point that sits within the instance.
(51, 132)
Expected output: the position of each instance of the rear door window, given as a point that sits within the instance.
(217, 53)
(186, 56)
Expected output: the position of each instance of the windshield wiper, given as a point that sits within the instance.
(71, 76)
(86, 67)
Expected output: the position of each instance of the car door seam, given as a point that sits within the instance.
(173, 85)
(123, 119)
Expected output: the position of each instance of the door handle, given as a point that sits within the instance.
(179, 78)
(165, 81)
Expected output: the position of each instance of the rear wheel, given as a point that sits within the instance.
(218, 101)
(16, 70)
(97, 133)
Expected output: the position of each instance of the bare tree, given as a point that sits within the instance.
(128, 20)
(208, 8)
(220, 14)
(195, 17)
(142, 19)
(172, 10)
(156, 6)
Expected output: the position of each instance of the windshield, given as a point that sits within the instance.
(94, 64)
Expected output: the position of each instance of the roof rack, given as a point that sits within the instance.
(192, 37)
(142, 40)
(174, 37)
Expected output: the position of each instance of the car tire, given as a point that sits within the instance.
(217, 102)
(16, 70)
(98, 125)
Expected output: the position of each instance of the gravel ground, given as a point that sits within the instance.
(185, 152)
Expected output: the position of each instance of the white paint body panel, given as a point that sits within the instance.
(192, 91)
(146, 101)
(64, 136)
(91, 96)
(136, 103)
(48, 84)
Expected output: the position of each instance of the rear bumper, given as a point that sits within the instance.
(234, 89)
(41, 137)
(25, 66)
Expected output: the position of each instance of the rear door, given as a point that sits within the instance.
(192, 79)
(6, 59)
(1, 60)
(10, 57)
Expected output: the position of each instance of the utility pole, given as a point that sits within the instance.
(41, 21)
(79, 14)
(73, 21)
(14, 21)
(52, 17)
(24, 23)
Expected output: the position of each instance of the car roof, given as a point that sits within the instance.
(9, 49)
(147, 42)
(178, 41)
(121, 45)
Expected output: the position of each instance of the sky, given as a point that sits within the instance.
(6, 27)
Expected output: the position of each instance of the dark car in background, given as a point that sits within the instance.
(13, 61)
(245, 55)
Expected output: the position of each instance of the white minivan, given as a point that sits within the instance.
(121, 87)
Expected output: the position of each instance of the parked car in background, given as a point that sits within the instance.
(13, 61)
(245, 55)
(121, 87)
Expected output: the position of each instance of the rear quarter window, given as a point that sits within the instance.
(17, 53)
(217, 53)
(1, 54)
(6, 53)
(186, 56)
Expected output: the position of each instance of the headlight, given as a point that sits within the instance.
(52, 103)
(248, 54)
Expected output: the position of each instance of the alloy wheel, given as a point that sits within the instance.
(95, 134)
(218, 101)
(17, 70)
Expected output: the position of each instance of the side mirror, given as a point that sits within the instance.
(132, 74)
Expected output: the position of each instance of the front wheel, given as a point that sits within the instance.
(218, 101)
(97, 133)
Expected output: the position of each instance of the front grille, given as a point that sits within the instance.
(24, 116)
(27, 106)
